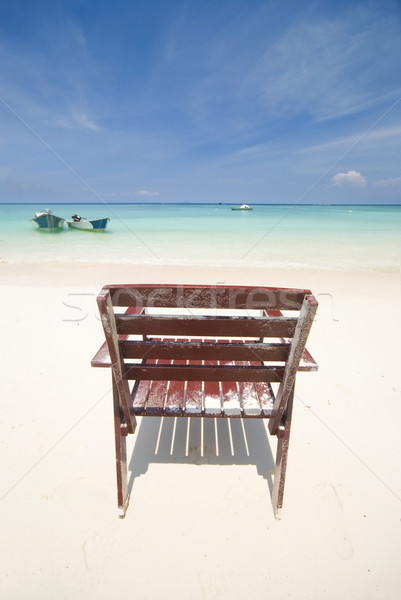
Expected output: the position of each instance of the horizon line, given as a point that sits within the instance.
(201, 204)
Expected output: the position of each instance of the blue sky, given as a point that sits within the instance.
(200, 101)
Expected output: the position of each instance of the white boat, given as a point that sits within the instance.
(88, 224)
(47, 221)
(242, 207)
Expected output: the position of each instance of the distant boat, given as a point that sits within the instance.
(242, 207)
(88, 224)
(47, 221)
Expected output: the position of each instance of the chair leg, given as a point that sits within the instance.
(281, 459)
(121, 456)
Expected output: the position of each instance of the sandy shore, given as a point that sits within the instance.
(199, 525)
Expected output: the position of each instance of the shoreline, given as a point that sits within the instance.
(73, 274)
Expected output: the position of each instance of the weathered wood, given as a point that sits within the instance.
(140, 394)
(305, 320)
(199, 350)
(229, 390)
(227, 375)
(121, 453)
(281, 458)
(230, 397)
(164, 371)
(157, 393)
(266, 397)
(176, 393)
(110, 332)
(307, 362)
(193, 398)
(204, 296)
(204, 351)
(102, 356)
(194, 392)
(248, 395)
(212, 393)
(189, 325)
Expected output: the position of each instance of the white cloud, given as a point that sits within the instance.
(350, 178)
(146, 193)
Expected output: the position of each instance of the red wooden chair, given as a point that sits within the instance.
(204, 351)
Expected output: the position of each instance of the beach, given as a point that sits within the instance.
(224, 146)
(199, 525)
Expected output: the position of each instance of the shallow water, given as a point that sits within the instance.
(312, 236)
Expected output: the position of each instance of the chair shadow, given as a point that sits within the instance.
(186, 440)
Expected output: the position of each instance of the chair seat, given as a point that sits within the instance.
(202, 399)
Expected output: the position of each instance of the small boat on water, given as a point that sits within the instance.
(242, 207)
(87, 224)
(47, 221)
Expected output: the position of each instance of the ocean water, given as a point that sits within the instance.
(308, 236)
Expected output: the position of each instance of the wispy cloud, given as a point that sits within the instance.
(336, 143)
(50, 84)
(352, 178)
(147, 193)
(318, 67)
(387, 183)
(83, 120)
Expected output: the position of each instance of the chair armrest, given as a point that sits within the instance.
(102, 356)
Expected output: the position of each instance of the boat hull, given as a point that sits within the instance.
(48, 222)
(238, 208)
(89, 225)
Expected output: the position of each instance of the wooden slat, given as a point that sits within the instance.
(265, 397)
(212, 392)
(199, 350)
(206, 326)
(140, 394)
(230, 398)
(202, 296)
(175, 393)
(161, 371)
(194, 393)
(194, 397)
(249, 399)
(175, 396)
(157, 394)
(248, 395)
(229, 393)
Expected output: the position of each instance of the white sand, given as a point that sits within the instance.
(198, 527)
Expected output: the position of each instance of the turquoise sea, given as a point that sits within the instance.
(308, 236)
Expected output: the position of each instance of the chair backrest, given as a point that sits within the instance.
(265, 328)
